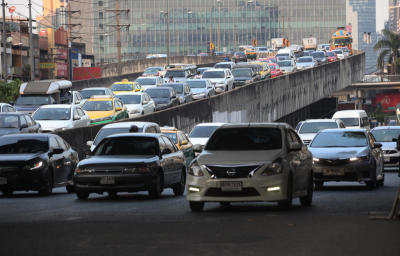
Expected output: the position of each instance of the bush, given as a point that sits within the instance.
(9, 92)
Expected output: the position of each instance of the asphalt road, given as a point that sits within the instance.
(337, 224)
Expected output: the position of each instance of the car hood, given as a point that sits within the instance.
(238, 157)
(5, 131)
(116, 160)
(388, 145)
(99, 114)
(18, 157)
(339, 153)
(199, 90)
(304, 64)
(217, 80)
(51, 125)
(198, 141)
(307, 136)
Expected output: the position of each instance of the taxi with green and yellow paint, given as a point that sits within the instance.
(105, 109)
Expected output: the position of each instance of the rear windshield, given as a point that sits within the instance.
(98, 106)
(202, 131)
(330, 54)
(245, 139)
(386, 135)
(222, 66)
(33, 100)
(350, 121)
(122, 87)
(110, 131)
(175, 74)
(146, 81)
(12, 145)
(86, 94)
(284, 63)
(242, 72)
(214, 74)
(304, 60)
(315, 127)
(177, 87)
(318, 54)
(339, 139)
(158, 93)
(52, 114)
(127, 146)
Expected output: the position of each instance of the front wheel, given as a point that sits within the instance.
(7, 192)
(156, 188)
(70, 188)
(179, 188)
(307, 200)
(287, 203)
(48, 186)
(196, 206)
(82, 195)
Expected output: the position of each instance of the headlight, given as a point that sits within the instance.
(196, 170)
(36, 165)
(315, 160)
(83, 171)
(362, 158)
(273, 169)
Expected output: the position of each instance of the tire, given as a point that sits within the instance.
(319, 185)
(225, 204)
(156, 188)
(7, 192)
(82, 195)
(371, 184)
(196, 206)
(70, 189)
(179, 188)
(307, 200)
(287, 203)
(381, 182)
(48, 187)
(112, 194)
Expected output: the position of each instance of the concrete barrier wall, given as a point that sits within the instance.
(263, 101)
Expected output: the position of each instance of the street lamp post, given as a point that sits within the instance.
(166, 14)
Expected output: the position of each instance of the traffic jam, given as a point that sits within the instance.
(214, 163)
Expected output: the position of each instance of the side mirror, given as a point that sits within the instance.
(184, 142)
(89, 143)
(377, 145)
(197, 148)
(24, 126)
(77, 102)
(145, 102)
(57, 151)
(166, 151)
(118, 109)
(294, 146)
(77, 118)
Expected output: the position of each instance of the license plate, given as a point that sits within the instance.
(231, 185)
(386, 159)
(3, 181)
(329, 172)
(107, 180)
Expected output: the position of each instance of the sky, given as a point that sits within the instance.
(382, 14)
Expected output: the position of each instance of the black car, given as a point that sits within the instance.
(164, 97)
(243, 76)
(35, 162)
(320, 57)
(129, 163)
(182, 91)
(239, 57)
(15, 122)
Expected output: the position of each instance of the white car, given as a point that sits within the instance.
(387, 136)
(251, 163)
(5, 107)
(201, 132)
(306, 62)
(222, 79)
(309, 128)
(287, 66)
(137, 104)
(89, 92)
(149, 82)
(339, 53)
(60, 117)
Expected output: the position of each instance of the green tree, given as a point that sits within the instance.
(389, 48)
(9, 92)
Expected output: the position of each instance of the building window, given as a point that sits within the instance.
(100, 3)
(100, 15)
(100, 25)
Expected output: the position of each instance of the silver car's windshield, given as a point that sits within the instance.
(386, 135)
(339, 139)
(315, 127)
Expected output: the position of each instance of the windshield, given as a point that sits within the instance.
(245, 139)
(98, 106)
(110, 131)
(122, 87)
(146, 81)
(172, 136)
(350, 121)
(214, 74)
(158, 93)
(86, 94)
(130, 99)
(202, 131)
(262, 49)
(330, 54)
(315, 127)
(153, 71)
(386, 135)
(52, 114)
(306, 53)
(339, 139)
(338, 51)
(304, 60)
(177, 87)
(242, 72)
(222, 66)
(8, 121)
(342, 41)
(33, 100)
(175, 74)
(285, 55)
(127, 146)
(318, 55)
(197, 84)
(12, 145)
(284, 63)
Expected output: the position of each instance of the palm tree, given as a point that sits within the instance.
(389, 46)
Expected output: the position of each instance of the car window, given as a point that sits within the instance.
(163, 146)
(118, 104)
(150, 129)
(371, 139)
(181, 137)
(23, 121)
(61, 142)
(295, 137)
(29, 120)
(127, 146)
(54, 143)
(80, 112)
(169, 144)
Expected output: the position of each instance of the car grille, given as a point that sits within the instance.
(245, 192)
(389, 152)
(231, 172)
(334, 162)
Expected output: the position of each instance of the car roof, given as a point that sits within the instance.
(128, 125)
(226, 62)
(216, 69)
(95, 88)
(321, 120)
(344, 130)
(57, 106)
(159, 88)
(146, 77)
(136, 134)
(130, 93)
(388, 127)
(202, 80)
(11, 113)
(210, 124)
(253, 125)
(29, 135)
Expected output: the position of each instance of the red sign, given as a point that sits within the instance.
(61, 54)
(84, 73)
(388, 101)
(62, 70)
(12, 9)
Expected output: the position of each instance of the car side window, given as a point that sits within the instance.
(80, 112)
(181, 137)
(162, 144)
(53, 143)
(150, 129)
(61, 143)
(23, 120)
(371, 139)
(29, 120)
(295, 137)
(10, 109)
(169, 144)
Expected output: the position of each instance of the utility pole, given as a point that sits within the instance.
(70, 39)
(3, 39)
(31, 53)
(168, 32)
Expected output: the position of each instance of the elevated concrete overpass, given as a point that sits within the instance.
(264, 101)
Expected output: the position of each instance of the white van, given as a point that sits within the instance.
(353, 118)
(287, 53)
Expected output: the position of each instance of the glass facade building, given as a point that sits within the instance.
(194, 23)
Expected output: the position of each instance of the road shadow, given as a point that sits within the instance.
(261, 208)
(32, 195)
(124, 197)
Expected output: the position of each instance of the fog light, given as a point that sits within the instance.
(194, 189)
(271, 189)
